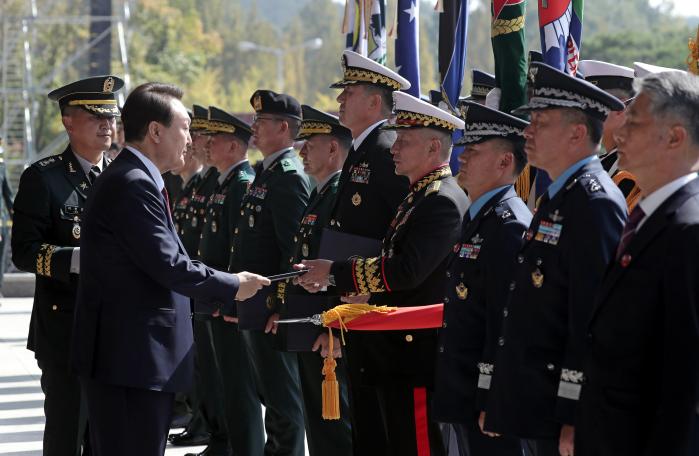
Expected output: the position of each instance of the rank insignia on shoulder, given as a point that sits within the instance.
(594, 185)
(506, 214)
(71, 168)
(83, 185)
(433, 187)
(47, 161)
(556, 217)
(287, 165)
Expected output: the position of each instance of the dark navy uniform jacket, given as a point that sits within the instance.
(642, 367)
(474, 300)
(539, 366)
(133, 323)
(48, 213)
(411, 271)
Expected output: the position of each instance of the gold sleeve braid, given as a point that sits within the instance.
(43, 259)
(505, 26)
(368, 276)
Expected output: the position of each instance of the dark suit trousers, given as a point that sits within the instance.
(243, 413)
(65, 411)
(127, 421)
(209, 386)
(472, 442)
(541, 447)
(325, 437)
(277, 378)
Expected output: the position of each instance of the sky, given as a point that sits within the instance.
(684, 7)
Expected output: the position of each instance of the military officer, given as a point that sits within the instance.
(482, 84)
(618, 81)
(5, 212)
(491, 235)
(46, 239)
(263, 241)
(411, 270)
(368, 195)
(325, 148)
(642, 370)
(208, 422)
(228, 153)
(538, 370)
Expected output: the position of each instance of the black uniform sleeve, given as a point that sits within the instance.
(233, 202)
(433, 231)
(602, 222)
(31, 249)
(498, 272)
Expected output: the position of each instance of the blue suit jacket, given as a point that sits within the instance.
(132, 318)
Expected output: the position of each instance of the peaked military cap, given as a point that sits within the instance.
(535, 56)
(200, 118)
(644, 69)
(95, 94)
(410, 112)
(482, 84)
(484, 123)
(317, 122)
(358, 69)
(607, 76)
(268, 102)
(222, 122)
(556, 89)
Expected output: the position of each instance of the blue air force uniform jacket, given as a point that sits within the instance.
(538, 372)
(475, 296)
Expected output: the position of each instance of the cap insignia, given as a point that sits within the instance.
(108, 85)
(257, 103)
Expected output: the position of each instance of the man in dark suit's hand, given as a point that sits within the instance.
(249, 285)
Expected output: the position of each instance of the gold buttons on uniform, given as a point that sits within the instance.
(409, 338)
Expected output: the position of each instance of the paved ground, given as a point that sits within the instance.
(21, 399)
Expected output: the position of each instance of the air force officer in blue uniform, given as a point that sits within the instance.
(132, 345)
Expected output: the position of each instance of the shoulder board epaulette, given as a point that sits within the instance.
(503, 211)
(48, 162)
(243, 175)
(433, 188)
(287, 165)
(589, 182)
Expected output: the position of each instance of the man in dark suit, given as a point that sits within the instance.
(46, 241)
(263, 242)
(538, 371)
(368, 194)
(132, 336)
(324, 150)
(242, 415)
(476, 291)
(642, 372)
(410, 271)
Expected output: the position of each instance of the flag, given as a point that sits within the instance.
(453, 28)
(408, 45)
(510, 52)
(388, 319)
(364, 26)
(560, 26)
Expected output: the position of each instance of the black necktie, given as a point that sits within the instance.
(93, 174)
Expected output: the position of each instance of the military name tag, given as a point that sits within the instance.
(360, 173)
(549, 232)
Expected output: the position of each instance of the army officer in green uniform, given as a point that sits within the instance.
(323, 153)
(46, 239)
(263, 242)
(228, 153)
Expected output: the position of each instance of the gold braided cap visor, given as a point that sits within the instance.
(355, 75)
(409, 119)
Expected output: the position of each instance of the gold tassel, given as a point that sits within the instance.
(635, 194)
(523, 183)
(693, 58)
(330, 387)
(344, 313)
